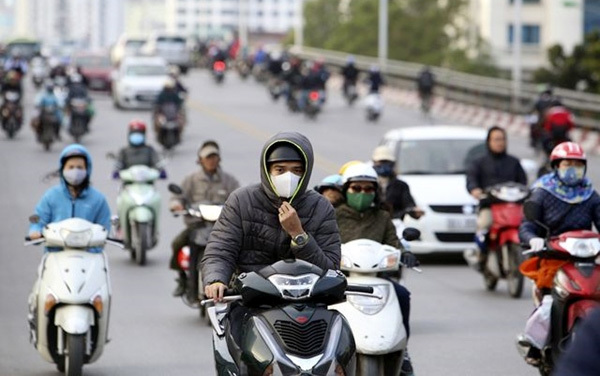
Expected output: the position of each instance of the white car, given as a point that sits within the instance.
(138, 81)
(431, 160)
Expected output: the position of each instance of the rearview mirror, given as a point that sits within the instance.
(411, 233)
(111, 155)
(174, 188)
(532, 211)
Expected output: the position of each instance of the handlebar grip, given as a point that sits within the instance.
(357, 288)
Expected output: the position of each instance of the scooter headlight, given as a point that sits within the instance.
(586, 248)
(76, 239)
(294, 287)
(370, 305)
(390, 261)
(346, 263)
(562, 284)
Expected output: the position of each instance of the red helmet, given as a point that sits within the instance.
(567, 150)
(137, 126)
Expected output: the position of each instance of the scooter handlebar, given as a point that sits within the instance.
(358, 288)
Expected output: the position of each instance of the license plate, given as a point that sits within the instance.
(469, 224)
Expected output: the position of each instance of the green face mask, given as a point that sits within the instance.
(360, 201)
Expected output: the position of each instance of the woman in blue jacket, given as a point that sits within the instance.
(73, 197)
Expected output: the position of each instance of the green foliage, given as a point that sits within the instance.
(422, 31)
(581, 68)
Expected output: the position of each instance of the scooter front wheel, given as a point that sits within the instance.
(514, 276)
(74, 354)
(369, 365)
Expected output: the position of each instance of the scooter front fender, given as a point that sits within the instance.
(141, 214)
(74, 319)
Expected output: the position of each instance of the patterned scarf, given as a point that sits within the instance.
(569, 194)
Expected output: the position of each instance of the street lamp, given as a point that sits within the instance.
(516, 68)
(299, 26)
(383, 33)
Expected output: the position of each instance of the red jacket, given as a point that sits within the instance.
(558, 116)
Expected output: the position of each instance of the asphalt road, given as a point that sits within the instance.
(458, 328)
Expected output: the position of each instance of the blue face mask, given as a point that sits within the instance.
(385, 169)
(571, 175)
(136, 139)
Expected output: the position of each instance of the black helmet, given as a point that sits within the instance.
(284, 152)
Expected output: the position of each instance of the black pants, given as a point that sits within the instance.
(404, 300)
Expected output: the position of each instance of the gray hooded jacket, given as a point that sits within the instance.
(248, 235)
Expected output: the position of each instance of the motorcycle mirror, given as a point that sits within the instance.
(111, 155)
(174, 188)
(411, 233)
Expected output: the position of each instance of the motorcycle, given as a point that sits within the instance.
(218, 71)
(504, 247)
(350, 93)
(575, 290)
(288, 329)
(380, 351)
(12, 113)
(243, 67)
(48, 125)
(189, 256)
(374, 106)
(80, 117)
(168, 124)
(69, 306)
(138, 205)
(313, 104)
(61, 90)
(39, 72)
(276, 88)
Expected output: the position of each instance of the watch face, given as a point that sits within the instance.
(300, 239)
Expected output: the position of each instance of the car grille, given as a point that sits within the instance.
(453, 209)
(304, 340)
(146, 96)
(455, 237)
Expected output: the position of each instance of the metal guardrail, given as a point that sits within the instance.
(482, 91)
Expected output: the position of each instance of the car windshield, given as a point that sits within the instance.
(134, 45)
(170, 43)
(437, 157)
(146, 70)
(93, 61)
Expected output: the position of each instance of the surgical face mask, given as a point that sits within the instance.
(74, 176)
(359, 201)
(384, 169)
(285, 184)
(571, 175)
(136, 138)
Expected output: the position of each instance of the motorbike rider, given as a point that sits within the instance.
(138, 152)
(545, 100)
(16, 62)
(174, 74)
(363, 216)
(494, 167)
(395, 193)
(331, 188)
(425, 84)
(47, 98)
(168, 95)
(375, 79)
(209, 184)
(12, 82)
(275, 219)
(78, 89)
(350, 74)
(556, 124)
(322, 74)
(74, 196)
(568, 202)
(293, 77)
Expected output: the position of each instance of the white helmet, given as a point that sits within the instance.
(383, 153)
(359, 172)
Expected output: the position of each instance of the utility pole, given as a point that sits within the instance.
(383, 33)
(243, 24)
(299, 29)
(516, 68)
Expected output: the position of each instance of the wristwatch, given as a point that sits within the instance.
(300, 240)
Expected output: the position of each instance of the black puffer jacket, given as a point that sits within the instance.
(248, 235)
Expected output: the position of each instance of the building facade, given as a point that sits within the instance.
(543, 23)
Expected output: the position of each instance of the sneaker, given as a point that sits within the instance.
(533, 355)
(407, 368)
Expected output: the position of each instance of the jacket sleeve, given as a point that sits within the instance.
(473, 175)
(44, 211)
(324, 247)
(224, 244)
(528, 229)
(520, 173)
(596, 211)
(103, 213)
(391, 237)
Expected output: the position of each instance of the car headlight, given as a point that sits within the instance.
(80, 239)
(370, 305)
(294, 287)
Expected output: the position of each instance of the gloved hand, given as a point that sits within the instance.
(115, 175)
(163, 174)
(409, 259)
(536, 244)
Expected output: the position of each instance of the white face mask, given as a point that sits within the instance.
(75, 176)
(285, 184)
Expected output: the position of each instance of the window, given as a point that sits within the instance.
(530, 34)
(527, 1)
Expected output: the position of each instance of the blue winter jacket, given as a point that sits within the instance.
(57, 203)
(561, 216)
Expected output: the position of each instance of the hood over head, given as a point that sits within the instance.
(303, 145)
(72, 151)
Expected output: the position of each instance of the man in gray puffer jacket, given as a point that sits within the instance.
(275, 219)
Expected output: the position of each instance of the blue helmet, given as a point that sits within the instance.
(331, 181)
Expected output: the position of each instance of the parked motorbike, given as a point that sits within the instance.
(80, 117)
(69, 306)
(168, 125)
(380, 351)
(218, 71)
(138, 205)
(12, 113)
(374, 106)
(288, 329)
(576, 286)
(313, 104)
(504, 247)
(189, 257)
